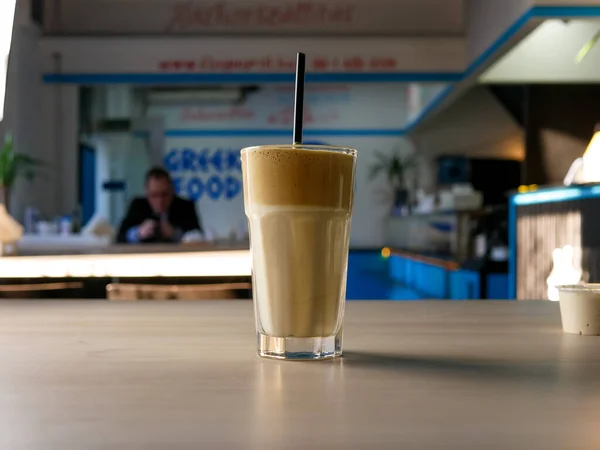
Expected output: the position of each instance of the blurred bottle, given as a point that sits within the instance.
(76, 219)
(32, 217)
(66, 225)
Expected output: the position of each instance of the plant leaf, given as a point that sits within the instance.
(12, 164)
(381, 158)
(393, 165)
(375, 170)
(587, 47)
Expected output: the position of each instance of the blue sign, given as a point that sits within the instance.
(215, 173)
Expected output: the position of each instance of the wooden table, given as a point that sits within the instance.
(180, 375)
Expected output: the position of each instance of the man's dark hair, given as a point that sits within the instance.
(158, 173)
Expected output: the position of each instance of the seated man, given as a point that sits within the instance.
(161, 216)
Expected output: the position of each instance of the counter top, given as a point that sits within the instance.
(184, 375)
(220, 259)
(117, 249)
(136, 261)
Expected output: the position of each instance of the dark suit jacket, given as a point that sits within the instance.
(182, 215)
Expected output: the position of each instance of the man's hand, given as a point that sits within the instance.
(146, 229)
(166, 230)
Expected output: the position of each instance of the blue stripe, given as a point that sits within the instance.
(565, 11)
(559, 194)
(179, 133)
(429, 107)
(504, 38)
(223, 78)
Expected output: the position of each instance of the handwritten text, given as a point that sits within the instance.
(206, 115)
(192, 16)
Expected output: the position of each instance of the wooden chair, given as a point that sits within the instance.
(225, 291)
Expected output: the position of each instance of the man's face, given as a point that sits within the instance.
(159, 192)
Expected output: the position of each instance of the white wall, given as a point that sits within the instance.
(341, 106)
(23, 116)
(22, 66)
(7, 19)
(46, 128)
(43, 121)
(365, 107)
(476, 125)
(85, 55)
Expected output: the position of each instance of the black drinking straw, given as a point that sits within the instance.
(299, 98)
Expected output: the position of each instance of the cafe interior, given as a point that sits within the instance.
(474, 197)
(472, 141)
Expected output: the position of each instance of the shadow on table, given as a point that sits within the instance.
(433, 365)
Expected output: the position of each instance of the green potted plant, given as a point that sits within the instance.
(12, 166)
(395, 166)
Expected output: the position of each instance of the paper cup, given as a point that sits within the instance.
(580, 309)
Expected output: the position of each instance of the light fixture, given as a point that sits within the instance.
(7, 19)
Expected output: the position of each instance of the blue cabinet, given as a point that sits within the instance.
(434, 281)
(397, 268)
(431, 280)
(367, 276)
(427, 279)
(400, 277)
(464, 285)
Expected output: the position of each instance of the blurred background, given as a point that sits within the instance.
(471, 119)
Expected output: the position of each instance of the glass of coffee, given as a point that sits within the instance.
(298, 199)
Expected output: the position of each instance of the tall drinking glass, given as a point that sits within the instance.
(298, 199)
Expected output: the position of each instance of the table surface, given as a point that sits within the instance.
(84, 375)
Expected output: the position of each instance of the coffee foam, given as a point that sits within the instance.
(290, 176)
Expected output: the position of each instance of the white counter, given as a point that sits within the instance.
(142, 261)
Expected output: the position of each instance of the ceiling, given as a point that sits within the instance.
(548, 55)
(264, 17)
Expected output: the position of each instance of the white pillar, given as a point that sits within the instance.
(7, 19)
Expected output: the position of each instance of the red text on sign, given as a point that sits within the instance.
(187, 15)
